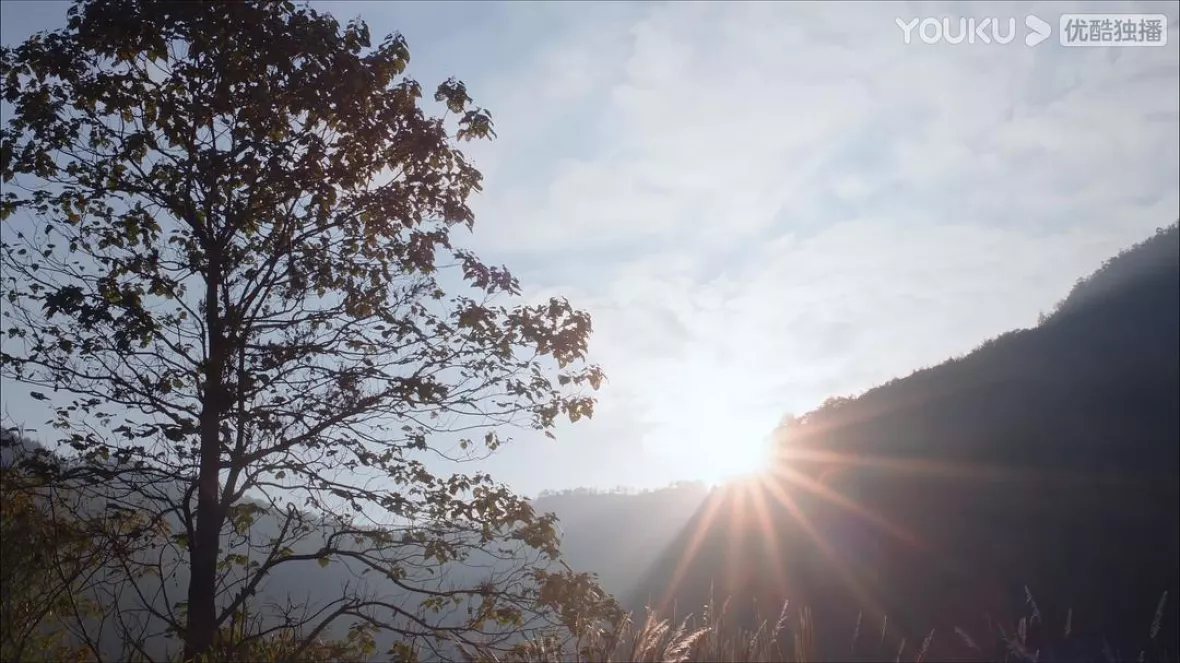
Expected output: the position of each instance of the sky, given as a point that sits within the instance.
(767, 204)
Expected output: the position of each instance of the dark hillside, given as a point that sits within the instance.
(1048, 457)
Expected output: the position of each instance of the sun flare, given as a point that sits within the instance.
(735, 459)
(700, 436)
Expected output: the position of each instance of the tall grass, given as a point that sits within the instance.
(789, 636)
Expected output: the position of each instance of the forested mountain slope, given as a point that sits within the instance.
(1046, 458)
(618, 535)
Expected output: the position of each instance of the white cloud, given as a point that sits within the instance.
(764, 204)
(800, 205)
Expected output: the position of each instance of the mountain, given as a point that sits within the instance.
(619, 535)
(1045, 463)
(1046, 458)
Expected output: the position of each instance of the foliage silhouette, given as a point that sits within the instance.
(229, 267)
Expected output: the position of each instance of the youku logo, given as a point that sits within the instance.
(972, 30)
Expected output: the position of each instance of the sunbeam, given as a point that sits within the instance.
(690, 551)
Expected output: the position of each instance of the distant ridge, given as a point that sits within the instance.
(1064, 440)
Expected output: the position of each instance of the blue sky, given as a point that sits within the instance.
(767, 204)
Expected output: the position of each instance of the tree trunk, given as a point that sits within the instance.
(204, 551)
(205, 548)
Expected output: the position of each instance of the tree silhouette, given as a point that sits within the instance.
(228, 254)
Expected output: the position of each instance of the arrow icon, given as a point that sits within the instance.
(1040, 30)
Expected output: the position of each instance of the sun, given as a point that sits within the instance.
(711, 440)
(737, 460)
(740, 466)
